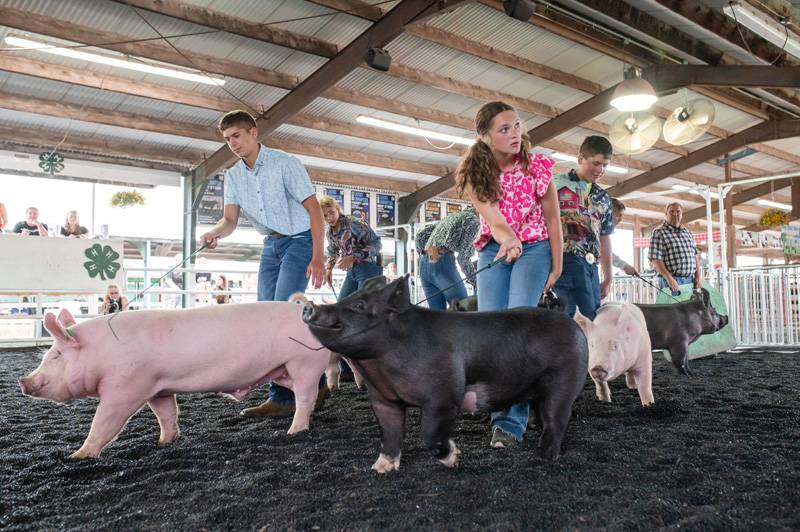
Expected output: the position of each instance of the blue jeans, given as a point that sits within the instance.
(438, 276)
(281, 273)
(579, 286)
(357, 276)
(519, 284)
(662, 283)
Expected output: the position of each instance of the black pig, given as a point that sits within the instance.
(442, 362)
(676, 326)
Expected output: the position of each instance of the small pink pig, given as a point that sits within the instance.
(619, 343)
(229, 349)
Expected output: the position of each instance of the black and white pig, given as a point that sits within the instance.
(442, 362)
(676, 326)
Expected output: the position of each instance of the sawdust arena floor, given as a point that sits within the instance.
(719, 451)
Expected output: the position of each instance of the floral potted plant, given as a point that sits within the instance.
(773, 218)
(126, 198)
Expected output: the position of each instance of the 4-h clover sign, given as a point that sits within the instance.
(102, 262)
(51, 162)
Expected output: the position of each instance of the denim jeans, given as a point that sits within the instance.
(519, 284)
(441, 275)
(281, 273)
(579, 286)
(357, 276)
(662, 283)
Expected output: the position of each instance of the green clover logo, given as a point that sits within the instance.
(52, 162)
(102, 262)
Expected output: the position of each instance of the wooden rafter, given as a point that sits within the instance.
(163, 52)
(383, 31)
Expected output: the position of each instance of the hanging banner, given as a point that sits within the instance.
(746, 239)
(209, 212)
(359, 205)
(384, 213)
(211, 207)
(790, 239)
(60, 264)
(433, 211)
(454, 208)
(337, 194)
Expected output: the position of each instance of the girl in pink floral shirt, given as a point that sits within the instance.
(520, 221)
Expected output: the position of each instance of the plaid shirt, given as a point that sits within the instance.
(675, 247)
(455, 232)
(353, 237)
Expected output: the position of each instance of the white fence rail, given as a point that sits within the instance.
(763, 306)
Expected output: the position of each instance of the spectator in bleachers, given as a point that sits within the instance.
(114, 300)
(72, 227)
(221, 288)
(3, 217)
(31, 225)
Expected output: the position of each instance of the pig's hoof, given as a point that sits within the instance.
(166, 440)
(451, 460)
(80, 454)
(292, 430)
(386, 464)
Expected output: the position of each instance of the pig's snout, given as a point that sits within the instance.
(599, 373)
(24, 385)
(723, 321)
(308, 311)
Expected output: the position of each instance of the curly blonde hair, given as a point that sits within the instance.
(479, 168)
(330, 203)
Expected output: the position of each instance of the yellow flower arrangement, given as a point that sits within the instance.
(126, 198)
(773, 218)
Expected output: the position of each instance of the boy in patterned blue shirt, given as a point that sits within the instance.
(587, 224)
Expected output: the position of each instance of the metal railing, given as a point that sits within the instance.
(764, 304)
(634, 290)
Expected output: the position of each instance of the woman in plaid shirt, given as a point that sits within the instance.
(352, 246)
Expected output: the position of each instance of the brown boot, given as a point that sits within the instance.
(321, 396)
(268, 408)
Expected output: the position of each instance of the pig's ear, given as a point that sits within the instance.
(56, 330)
(374, 283)
(65, 318)
(399, 297)
(703, 296)
(583, 322)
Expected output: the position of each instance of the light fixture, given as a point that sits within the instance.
(519, 9)
(777, 205)
(686, 188)
(112, 61)
(764, 26)
(572, 159)
(633, 93)
(411, 130)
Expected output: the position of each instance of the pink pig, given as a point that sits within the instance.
(229, 349)
(619, 343)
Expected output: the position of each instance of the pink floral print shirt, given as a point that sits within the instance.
(521, 201)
